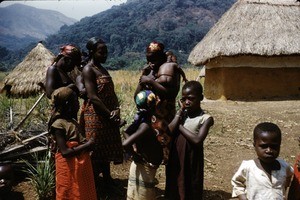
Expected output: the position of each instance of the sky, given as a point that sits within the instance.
(76, 9)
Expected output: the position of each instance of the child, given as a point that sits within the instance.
(160, 126)
(189, 128)
(6, 180)
(265, 177)
(147, 153)
(74, 174)
(172, 58)
(294, 191)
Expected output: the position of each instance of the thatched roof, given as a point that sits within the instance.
(252, 27)
(27, 76)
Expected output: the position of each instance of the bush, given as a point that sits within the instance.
(42, 175)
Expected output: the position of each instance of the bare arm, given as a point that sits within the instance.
(64, 149)
(176, 121)
(52, 77)
(242, 197)
(129, 142)
(158, 87)
(89, 78)
(80, 86)
(197, 139)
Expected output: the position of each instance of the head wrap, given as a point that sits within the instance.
(145, 99)
(155, 47)
(72, 52)
(59, 99)
(60, 96)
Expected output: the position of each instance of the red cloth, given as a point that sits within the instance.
(294, 192)
(74, 177)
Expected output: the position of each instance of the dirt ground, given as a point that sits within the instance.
(228, 143)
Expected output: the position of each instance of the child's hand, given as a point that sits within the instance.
(180, 104)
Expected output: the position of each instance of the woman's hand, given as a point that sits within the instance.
(145, 80)
(115, 115)
(91, 141)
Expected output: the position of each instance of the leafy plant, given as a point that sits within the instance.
(42, 175)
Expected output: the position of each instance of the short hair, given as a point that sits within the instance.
(266, 127)
(195, 85)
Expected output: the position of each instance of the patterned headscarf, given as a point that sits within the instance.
(145, 99)
(155, 47)
(72, 52)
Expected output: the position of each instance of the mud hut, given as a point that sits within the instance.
(252, 52)
(27, 77)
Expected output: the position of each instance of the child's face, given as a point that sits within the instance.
(73, 104)
(190, 100)
(267, 146)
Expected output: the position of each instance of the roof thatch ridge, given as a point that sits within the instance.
(26, 77)
(252, 27)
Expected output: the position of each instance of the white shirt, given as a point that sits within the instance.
(254, 182)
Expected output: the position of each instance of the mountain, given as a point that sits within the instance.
(20, 25)
(128, 28)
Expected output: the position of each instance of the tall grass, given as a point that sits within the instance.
(126, 81)
(125, 84)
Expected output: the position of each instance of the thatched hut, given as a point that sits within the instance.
(27, 77)
(252, 52)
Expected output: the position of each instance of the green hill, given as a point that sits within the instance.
(128, 28)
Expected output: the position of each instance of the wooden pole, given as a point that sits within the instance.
(29, 112)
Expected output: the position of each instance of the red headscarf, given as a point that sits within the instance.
(71, 51)
(155, 47)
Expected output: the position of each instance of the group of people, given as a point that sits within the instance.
(158, 135)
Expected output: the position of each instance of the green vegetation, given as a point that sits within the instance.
(127, 30)
(42, 175)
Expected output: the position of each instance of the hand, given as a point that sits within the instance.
(91, 143)
(115, 116)
(181, 106)
(145, 80)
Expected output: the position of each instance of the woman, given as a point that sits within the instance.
(101, 112)
(57, 74)
(162, 78)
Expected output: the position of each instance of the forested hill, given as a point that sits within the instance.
(128, 28)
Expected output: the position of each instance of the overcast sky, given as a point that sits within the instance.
(76, 9)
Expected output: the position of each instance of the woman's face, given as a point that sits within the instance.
(155, 59)
(69, 64)
(100, 54)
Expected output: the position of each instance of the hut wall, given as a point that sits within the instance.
(242, 82)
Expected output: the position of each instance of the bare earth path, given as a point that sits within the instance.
(229, 142)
